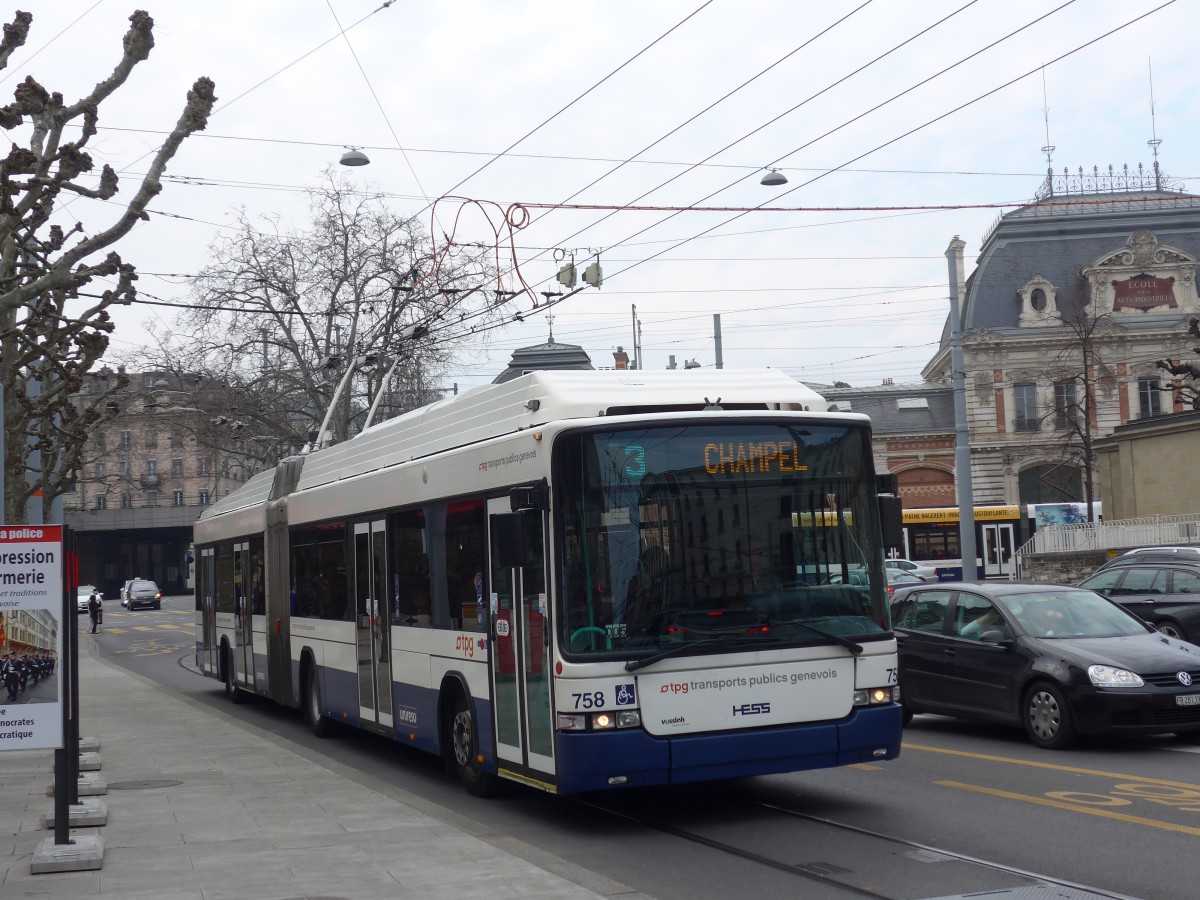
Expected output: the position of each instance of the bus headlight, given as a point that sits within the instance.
(629, 718)
(572, 722)
(873, 696)
(603, 721)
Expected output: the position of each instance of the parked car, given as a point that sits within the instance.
(141, 593)
(1165, 594)
(925, 573)
(899, 578)
(1058, 661)
(1155, 554)
(81, 597)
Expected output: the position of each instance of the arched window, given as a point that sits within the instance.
(1037, 299)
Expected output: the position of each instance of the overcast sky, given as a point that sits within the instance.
(433, 92)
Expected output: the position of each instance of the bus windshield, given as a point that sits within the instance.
(743, 533)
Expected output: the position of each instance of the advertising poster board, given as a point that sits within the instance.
(31, 636)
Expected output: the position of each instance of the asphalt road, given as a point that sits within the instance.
(966, 808)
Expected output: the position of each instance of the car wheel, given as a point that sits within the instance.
(317, 723)
(1170, 628)
(464, 746)
(1047, 717)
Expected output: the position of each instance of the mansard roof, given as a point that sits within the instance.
(539, 357)
(1058, 236)
(897, 410)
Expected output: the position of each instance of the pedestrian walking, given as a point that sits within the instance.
(95, 611)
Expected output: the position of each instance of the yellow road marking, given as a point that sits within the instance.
(866, 767)
(142, 628)
(1051, 766)
(167, 626)
(1072, 807)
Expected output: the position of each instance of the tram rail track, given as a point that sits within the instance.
(840, 877)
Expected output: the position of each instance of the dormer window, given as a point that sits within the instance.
(1038, 303)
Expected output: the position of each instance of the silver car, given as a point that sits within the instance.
(925, 573)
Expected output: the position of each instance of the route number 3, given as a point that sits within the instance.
(591, 700)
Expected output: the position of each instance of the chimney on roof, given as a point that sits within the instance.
(887, 381)
(620, 358)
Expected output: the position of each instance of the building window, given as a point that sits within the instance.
(123, 468)
(101, 470)
(152, 498)
(204, 498)
(98, 440)
(176, 440)
(152, 467)
(1149, 397)
(177, 498)
(177, 466)
(1025, 406)
(151, 437)
(101, 501)
(1066, 409)
(126, 500)
(1037, 299)
(204, 466)
(126, 439)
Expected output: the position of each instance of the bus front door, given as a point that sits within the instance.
(520, 655)
(374, 630)
(997, 550)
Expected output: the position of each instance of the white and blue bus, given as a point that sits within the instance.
(575, 580)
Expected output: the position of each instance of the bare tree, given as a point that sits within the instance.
(281, 315)
(46, 349)
(1187, 374)
(1079, 376)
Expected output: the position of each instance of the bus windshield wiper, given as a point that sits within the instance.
(850, 645)
(634, 664)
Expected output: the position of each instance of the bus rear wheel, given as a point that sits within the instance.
(317, 723)
(464, 744)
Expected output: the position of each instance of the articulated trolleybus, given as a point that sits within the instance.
(575, 580)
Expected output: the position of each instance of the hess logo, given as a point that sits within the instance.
(752, 709)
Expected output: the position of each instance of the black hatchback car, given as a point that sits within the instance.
(1058, 661)
(1163, 591)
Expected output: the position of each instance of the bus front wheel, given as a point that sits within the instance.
(464, 744)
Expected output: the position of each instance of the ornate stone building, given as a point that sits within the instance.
(1073, 300)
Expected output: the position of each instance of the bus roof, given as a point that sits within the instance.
(537, 398)
(528, 401)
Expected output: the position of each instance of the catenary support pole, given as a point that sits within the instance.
(962, 443)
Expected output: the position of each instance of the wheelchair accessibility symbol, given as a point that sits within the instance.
(625, 695)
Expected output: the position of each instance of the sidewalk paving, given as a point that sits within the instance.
(242, 814)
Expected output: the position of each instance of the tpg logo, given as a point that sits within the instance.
(752, 709)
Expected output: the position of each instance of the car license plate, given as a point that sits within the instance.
(1187, 699)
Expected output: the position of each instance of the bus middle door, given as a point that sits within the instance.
(519, 655)
(374, 628)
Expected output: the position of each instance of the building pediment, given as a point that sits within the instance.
(1143, 276)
